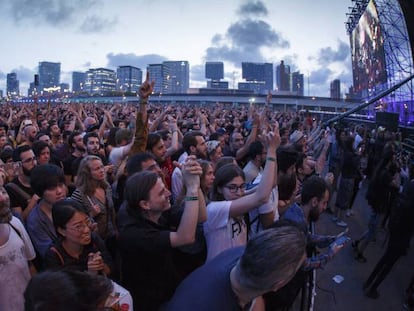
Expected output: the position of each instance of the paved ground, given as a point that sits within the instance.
(349, 296)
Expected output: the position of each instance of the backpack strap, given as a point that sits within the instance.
(52, 248)
(16, 230)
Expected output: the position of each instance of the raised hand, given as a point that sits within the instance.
(146, 88)
(191, 171)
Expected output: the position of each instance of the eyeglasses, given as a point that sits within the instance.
(234, 188)
(80, 227)
(28, 160)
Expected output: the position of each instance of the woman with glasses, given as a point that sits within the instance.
(78, 247)
(225, 227)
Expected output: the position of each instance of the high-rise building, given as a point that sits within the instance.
(78, 81)
(49, 75)
(214, 71)
(297, 83)
(222, 85)
(12, 88)
(336, 89)
(129, 78)
(283, 77)
(100, 81)
(258, 76)
(176, 77)
(155, 74)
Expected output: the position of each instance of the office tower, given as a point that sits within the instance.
(129, 79)
(336, 89)
(100, 81)
(176, 77)
(297, 83)
(283, 77)
(12, 88)
(223, 85)
(214, 71)
(155, 74)
(258, 76)
(78, 81)
(49, 76)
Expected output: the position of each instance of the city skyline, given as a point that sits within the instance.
(309, 37)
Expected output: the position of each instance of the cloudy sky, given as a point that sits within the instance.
(308, 35)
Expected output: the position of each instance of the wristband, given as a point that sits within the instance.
(191, 198)
(143, 101)
(271, 159)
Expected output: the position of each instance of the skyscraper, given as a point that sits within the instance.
(12, 88)
(283, 77)
(78, 81)
(336, 89)
(100, 81)
(297, 83)
(155, 74)
(258, 76)
(214, 71)
(49, 75)
(176, 77)
(129, 78)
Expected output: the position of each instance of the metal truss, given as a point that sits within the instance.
(398, 55)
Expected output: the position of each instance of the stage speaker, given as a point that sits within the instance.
(389, 120)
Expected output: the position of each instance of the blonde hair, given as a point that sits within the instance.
(84, 181)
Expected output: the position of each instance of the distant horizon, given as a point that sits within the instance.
(84, 34)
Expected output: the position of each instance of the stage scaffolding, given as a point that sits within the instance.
(398, 55)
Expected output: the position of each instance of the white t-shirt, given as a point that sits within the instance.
(221, 231)
(14, 268)
(271, 205)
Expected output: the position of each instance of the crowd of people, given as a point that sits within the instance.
(185, 207)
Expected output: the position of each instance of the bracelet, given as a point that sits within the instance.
(143, 101)
(271, 159)
(191, 198)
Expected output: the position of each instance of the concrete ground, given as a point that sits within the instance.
(348, 295)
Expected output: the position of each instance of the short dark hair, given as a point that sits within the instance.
(89, 134)
(19, 150)
(46, 176)
(313, 186)
(123, 134)
(152, 140)
(134, 163)
(71, 138)
(38, 147)
(189, 140)
(66, 290)
(286, 157)
(255, 148)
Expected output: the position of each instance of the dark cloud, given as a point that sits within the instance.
(25, 75)
(255, 33)
(96, 24)
(57, 13)
(140, 61)
(253, 8)
(329, 55)
(245, 38)
(320, 76)
(243, 42)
